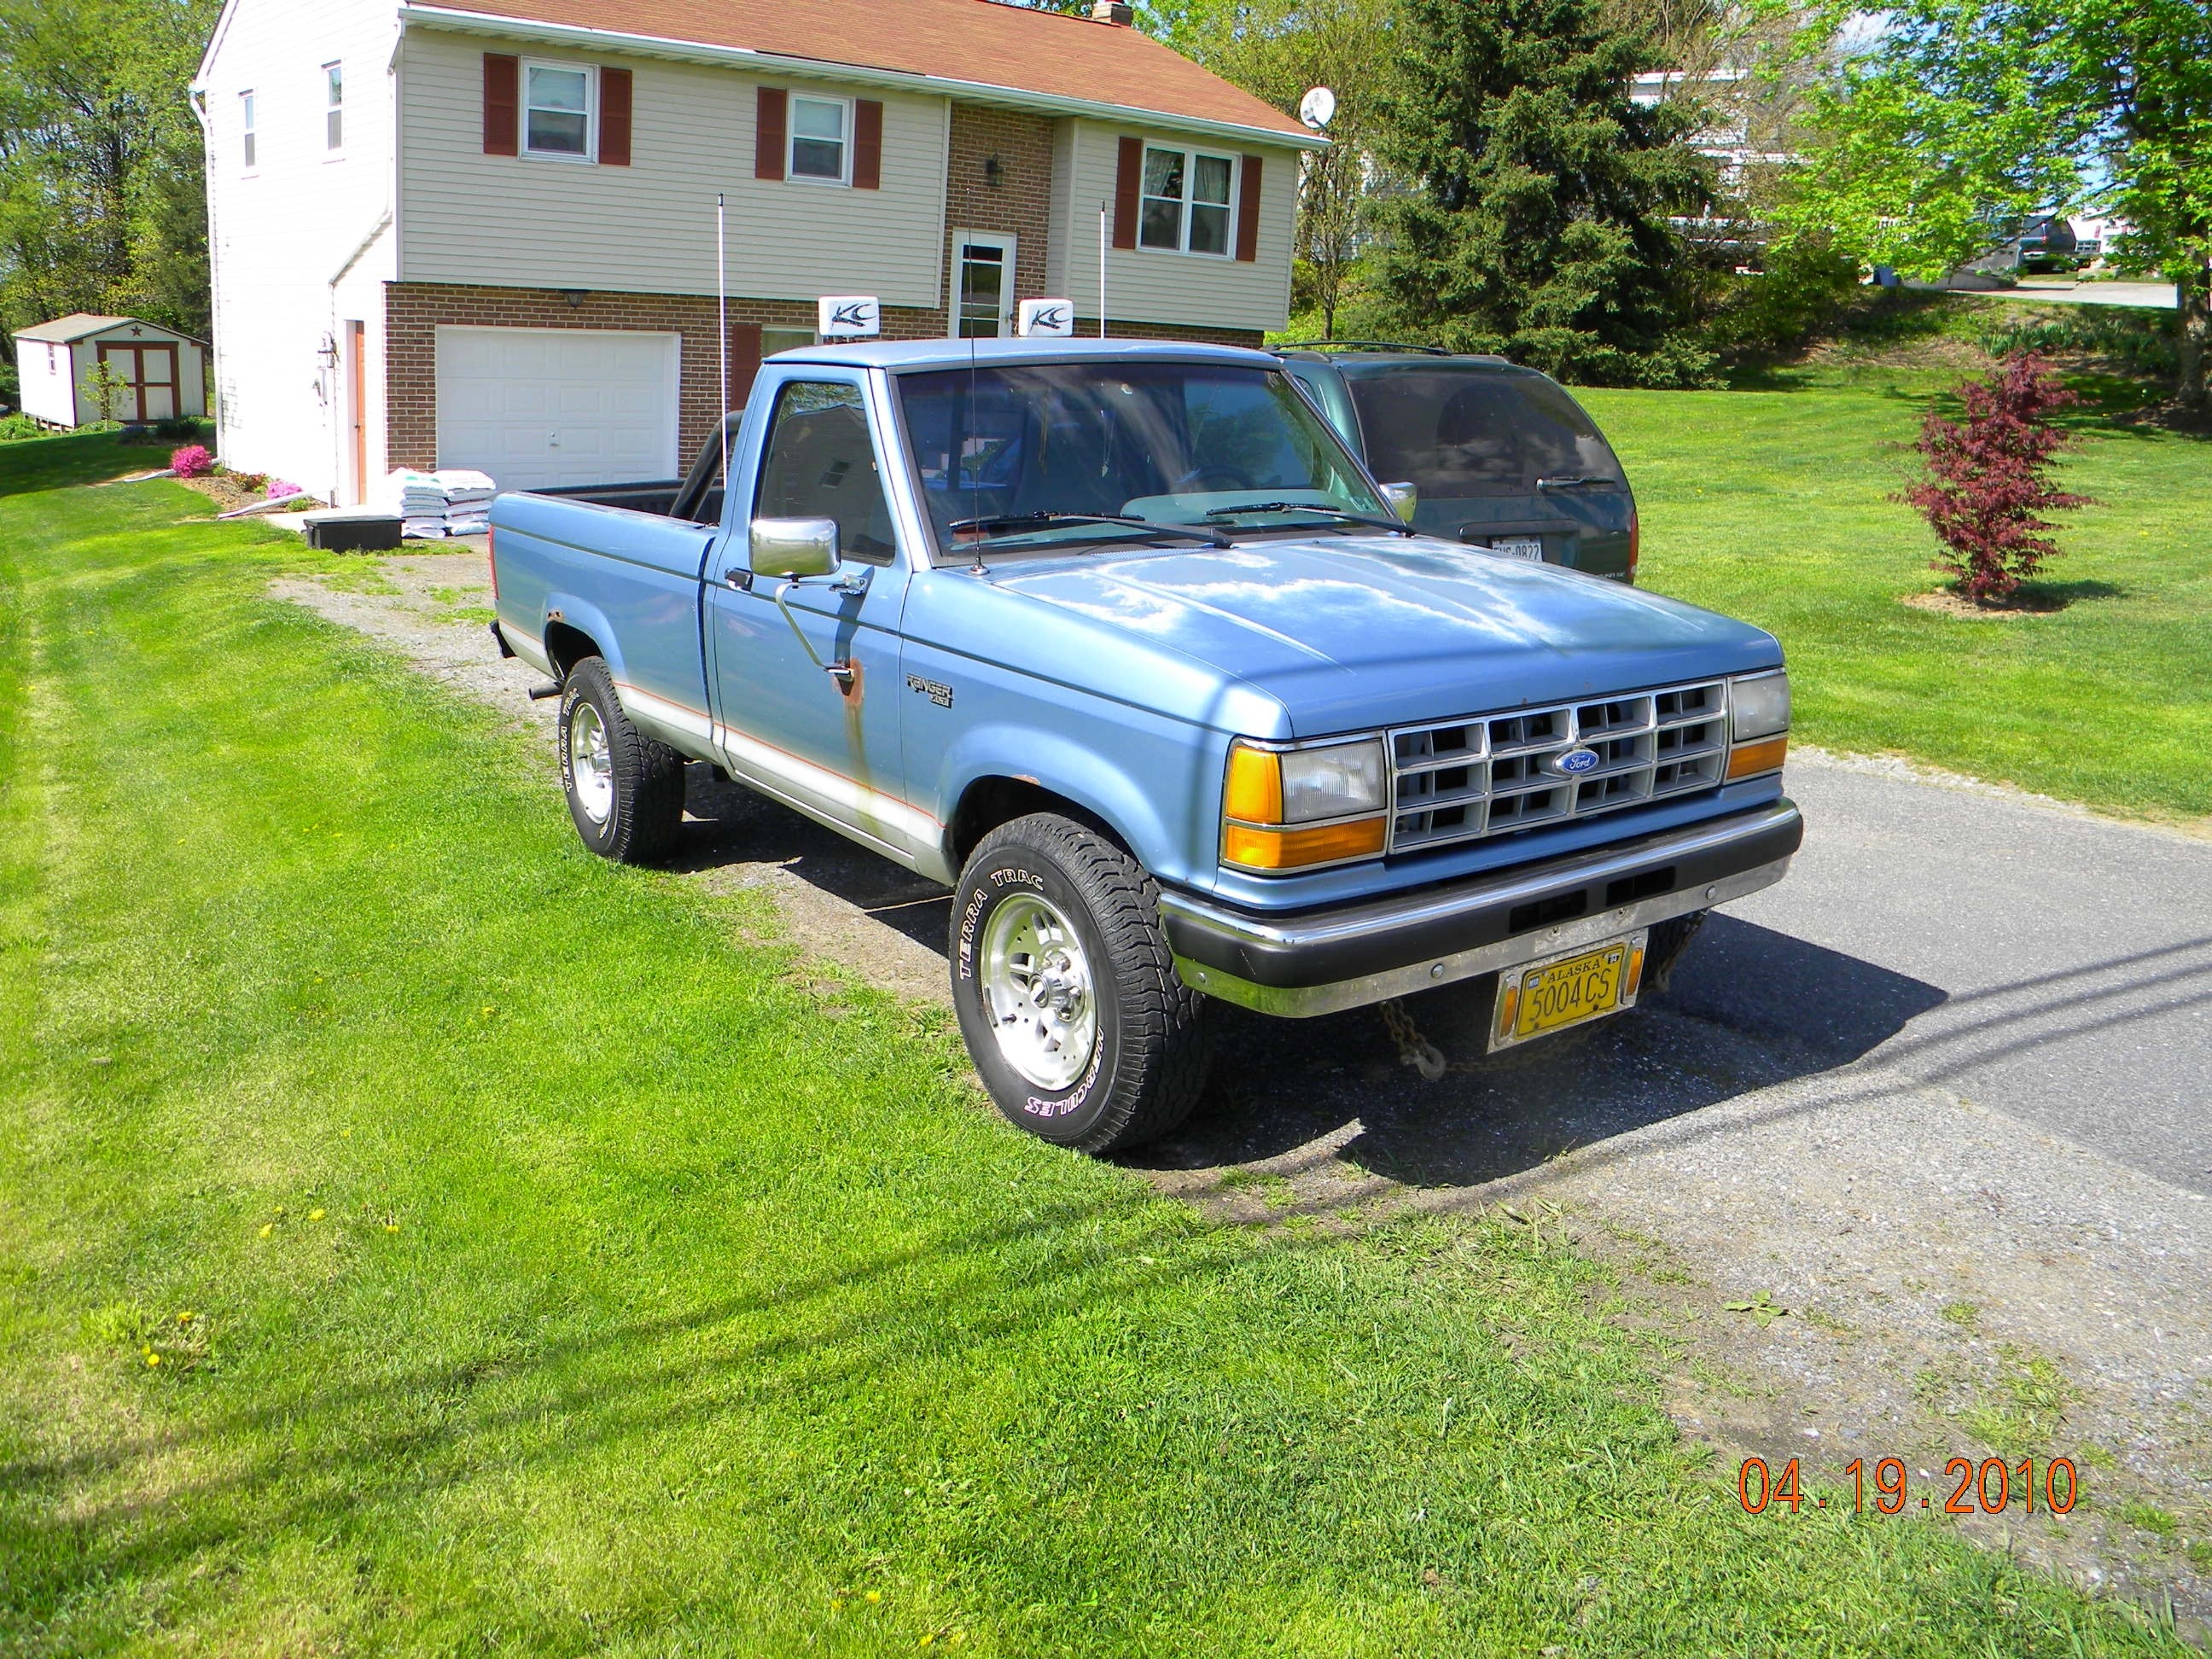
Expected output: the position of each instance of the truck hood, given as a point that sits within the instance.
(1348, 632)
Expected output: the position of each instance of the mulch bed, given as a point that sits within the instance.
(1944, 603)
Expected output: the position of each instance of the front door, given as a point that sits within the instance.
(983, 271)
(357, 406)
(827, 743)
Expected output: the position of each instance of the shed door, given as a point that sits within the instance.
(539, 407)
(146, 378)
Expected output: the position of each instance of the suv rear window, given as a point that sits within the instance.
(1461, 432)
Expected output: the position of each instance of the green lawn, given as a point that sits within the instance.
(418, 1237)
(1775, 506)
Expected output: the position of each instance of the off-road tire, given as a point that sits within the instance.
(1148, 1068)
(647, 804)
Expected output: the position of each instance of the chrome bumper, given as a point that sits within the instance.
(1321, 961)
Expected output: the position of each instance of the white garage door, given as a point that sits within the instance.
(535, 406)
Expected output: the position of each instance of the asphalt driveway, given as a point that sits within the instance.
(2056, 966)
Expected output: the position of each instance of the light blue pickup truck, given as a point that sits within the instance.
(1118, 640)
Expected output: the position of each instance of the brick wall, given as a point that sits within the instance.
(1016, 201)
(413, 310)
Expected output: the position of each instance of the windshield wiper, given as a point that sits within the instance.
(1569, 482)
(1337, 513)
(1015, 522)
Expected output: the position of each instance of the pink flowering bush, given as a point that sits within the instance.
(192, 461)
(278, 490)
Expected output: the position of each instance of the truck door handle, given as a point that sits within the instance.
(740, 580)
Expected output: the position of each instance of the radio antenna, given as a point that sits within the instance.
(722, 334)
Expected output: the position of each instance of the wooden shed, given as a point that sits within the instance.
(157, 374)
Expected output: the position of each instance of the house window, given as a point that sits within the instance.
(557, 117)
(245, 131)
(1186, 199)
(334, 107)
(817, 139)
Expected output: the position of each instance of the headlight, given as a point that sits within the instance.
(1758, 717)
(1759, 705)
(1295, 808)
(1332, 782)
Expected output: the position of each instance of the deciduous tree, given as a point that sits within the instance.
(1962, 116)
(1988, 482)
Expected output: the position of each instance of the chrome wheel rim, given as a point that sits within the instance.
(591, 767)
(1038, 992)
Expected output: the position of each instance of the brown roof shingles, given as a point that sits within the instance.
(979, 41)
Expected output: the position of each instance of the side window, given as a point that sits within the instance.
(821, 464)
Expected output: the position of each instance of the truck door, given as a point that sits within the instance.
(827, 743)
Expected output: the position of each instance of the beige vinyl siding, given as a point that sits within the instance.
(1152, 285)
(649, 228)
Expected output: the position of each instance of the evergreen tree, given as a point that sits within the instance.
(1535, 219)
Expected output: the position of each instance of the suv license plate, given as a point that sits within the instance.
(1543, 997)
(1520, 547)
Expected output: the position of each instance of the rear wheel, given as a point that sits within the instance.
(625, 790)
(1066, 990)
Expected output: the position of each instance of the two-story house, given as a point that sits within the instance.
(483, 235)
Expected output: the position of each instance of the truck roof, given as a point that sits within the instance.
(958, 354)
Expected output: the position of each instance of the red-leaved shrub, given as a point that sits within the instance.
(191, 461)
(1988, 479)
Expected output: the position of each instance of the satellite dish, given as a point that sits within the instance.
(1317, 108)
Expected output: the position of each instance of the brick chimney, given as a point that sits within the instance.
(1119, 12)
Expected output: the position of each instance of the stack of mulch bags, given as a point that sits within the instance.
(453, 502)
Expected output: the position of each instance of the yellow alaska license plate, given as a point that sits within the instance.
(1543, 997)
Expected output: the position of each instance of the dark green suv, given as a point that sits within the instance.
(1501, 457)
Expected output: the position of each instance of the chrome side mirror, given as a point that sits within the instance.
(1403, 499)
(794, 547)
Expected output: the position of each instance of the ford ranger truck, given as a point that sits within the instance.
(1118, 639)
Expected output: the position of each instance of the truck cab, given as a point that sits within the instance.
(1122, 643)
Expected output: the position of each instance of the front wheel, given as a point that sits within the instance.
(1066, 990)
(625, 790)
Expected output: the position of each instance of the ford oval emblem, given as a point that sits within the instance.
(1575, 761)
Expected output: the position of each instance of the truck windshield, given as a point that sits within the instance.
(1164, 441)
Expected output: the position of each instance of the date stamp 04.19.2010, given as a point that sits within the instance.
(1992, 1486)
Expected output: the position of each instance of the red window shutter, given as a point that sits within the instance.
(614, 118)
(503, 104)
(1128, 186)
(867, 145)
(769, 133)
(1247, 210)
(744, 361)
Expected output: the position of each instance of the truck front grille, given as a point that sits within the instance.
(1489, 775)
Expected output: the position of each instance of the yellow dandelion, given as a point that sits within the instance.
(153, 1358)
(345, 1134)
(280, 1209)
(391, 1226)
(315, 1215)
(267, 1228)
(875, 1596)
(186, 1317)
(928, 1638)
(836, 1604)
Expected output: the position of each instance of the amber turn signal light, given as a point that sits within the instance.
(1253, 790)
(1748, 760)
(1292, 849)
